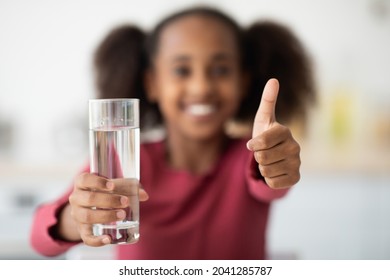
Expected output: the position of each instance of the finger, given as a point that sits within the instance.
(89, 239)
(89, 199)
(283, 181)
(89, 181)
(273, 155)
(97, 216)
(129, 187)
(287, 169)
(143, 195)
(265, 115)
(273, 170)
(269, 138)
(284, 167)
(285, 150)
(125, 186)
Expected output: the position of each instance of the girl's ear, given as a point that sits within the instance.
(149, 82)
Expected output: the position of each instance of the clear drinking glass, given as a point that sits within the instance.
(115, 153)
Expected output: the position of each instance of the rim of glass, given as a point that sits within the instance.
(112, 99)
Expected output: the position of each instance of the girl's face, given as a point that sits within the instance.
(197, 78)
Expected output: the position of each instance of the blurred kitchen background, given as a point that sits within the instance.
(341, 207)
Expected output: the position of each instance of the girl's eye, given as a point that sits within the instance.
(220, 71)
(181, 71)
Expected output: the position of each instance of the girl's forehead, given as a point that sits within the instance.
(197, 32)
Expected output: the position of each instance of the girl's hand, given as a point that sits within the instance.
(97, 200)
(275, 150)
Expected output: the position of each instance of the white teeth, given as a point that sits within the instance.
(200, 109)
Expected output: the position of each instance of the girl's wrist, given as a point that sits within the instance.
(65, 229)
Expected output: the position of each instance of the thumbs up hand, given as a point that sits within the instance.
(274, 148)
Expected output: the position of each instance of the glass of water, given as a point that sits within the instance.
(114, 138)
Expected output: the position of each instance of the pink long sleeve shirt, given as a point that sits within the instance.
(219, 215)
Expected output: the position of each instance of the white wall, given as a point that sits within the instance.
(45, 81)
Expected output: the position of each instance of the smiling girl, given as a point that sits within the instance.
(207, 195)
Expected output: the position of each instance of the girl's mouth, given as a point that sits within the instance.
(200, 110)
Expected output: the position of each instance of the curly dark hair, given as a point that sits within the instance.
(273, 51)
(267, 50)
(119, 64)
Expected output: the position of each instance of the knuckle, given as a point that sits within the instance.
(262, 157)
(256, 156)
(280, 129)
(272, 183)
(298, 163)
(91, 198)
(264, 170)
(260, 142)
(298, 148)
(285, 130)
(264, 141)
(293, 161)
(81, 181)
(81, 178)
(83, 238)
(295, 164)
(295, 149)
(92, 242)
(109, 216)
(280, 182)
(71, 199)
(88, 241)
(295, 178)
(116, 201)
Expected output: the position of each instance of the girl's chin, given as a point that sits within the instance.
(203, 133)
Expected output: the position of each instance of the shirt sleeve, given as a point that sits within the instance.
(257, 186)
(45, 218)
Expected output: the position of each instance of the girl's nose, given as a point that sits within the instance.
(200, 84)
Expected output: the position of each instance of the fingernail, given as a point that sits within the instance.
(106, 240)
(120, 214)
(124, 200)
